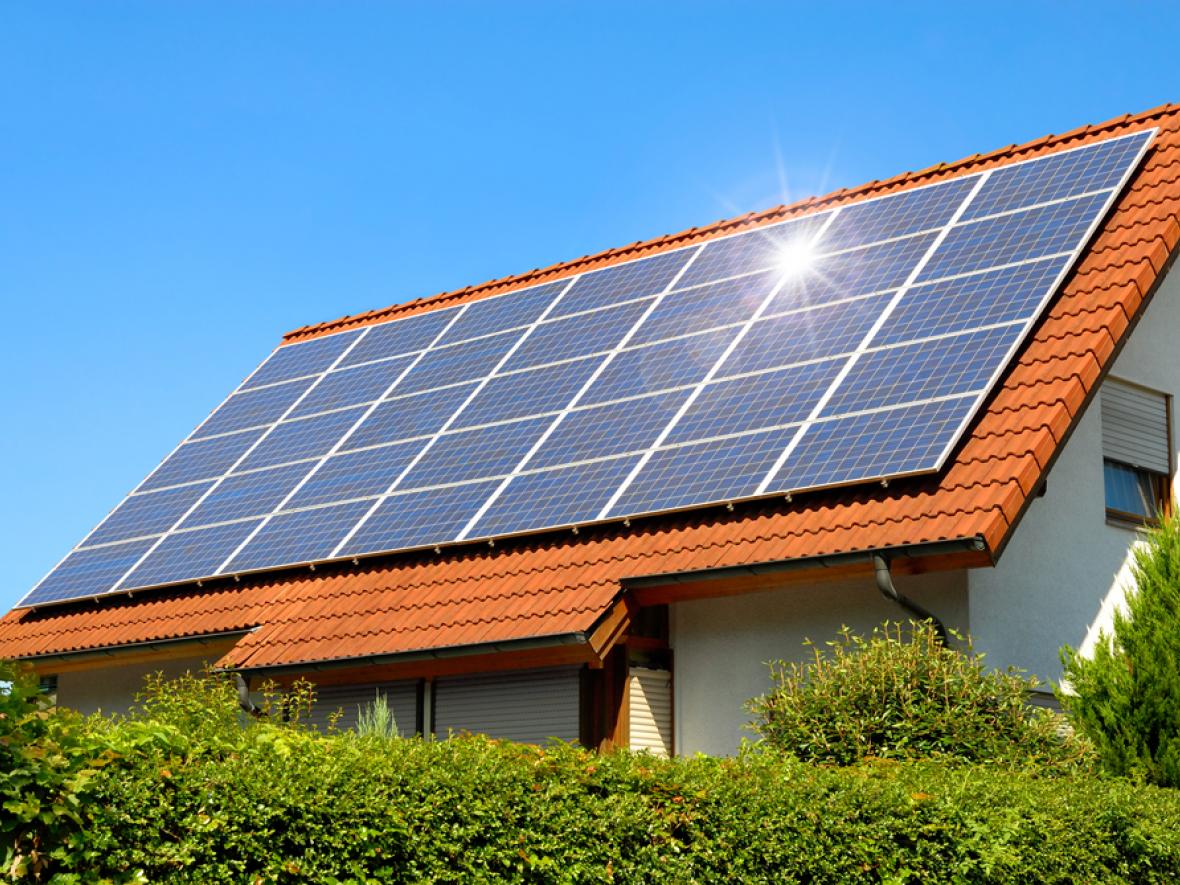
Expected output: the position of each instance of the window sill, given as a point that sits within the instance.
(1130, 523)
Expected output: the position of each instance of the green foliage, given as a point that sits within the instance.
(190, 798)
(47, 758)
(376, 719)
(900, 694)
(1126, 697)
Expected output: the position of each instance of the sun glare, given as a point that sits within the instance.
(795, 258)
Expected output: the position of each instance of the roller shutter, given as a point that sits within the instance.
(402, 698)
(1135, 427)
(650, 709)
(529, 706)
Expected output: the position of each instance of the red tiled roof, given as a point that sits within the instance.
(557, 584)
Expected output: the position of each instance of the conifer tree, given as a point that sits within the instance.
(1126, 697)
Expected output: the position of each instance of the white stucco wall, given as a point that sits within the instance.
(113, 689)
(721, 646)
(1065, 568)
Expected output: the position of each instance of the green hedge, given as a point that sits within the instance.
(183, 792)
(288, 806)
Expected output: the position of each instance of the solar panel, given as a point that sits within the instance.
(298, 536)
(253, 408)
(627, 425)
(699, 375)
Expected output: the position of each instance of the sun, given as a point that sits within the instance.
(795, 258)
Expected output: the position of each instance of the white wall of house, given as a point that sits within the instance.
(1066, 569)
(721, 646)
(113, 689)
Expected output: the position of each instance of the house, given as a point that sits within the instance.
(653, 629)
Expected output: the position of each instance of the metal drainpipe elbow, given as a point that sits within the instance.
(885, 585)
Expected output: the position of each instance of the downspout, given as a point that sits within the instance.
(885, 585)
(244, 701)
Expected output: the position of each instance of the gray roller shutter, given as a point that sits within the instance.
(402, 698)
(649, 695)
(1135, 426)
(529, 706)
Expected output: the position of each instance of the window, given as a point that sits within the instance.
(48, 686)
(1136, 450)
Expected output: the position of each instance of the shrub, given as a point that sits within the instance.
(46, 761)
(901, 694)
(1126, 696)
(376, 719)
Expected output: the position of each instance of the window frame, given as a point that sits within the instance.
(1160, 484)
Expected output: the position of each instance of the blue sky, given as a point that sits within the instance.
(183, 182)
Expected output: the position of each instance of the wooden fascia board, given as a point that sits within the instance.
(706, 586)
(555, 656)
(101, 659)
(610, 629)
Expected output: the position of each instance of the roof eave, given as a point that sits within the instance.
(115, 655)
(941, 555)
(415, 657)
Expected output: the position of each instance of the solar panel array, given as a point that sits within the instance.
(702, 375)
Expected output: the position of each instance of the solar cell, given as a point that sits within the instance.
(309, 358)
(805, 335)
(246, 494)
(639, 370)
(407, 335)
(576, 336)
(301, 438)
(758, 249)
(865, 364)
(1006, 239)
(896, 215)
(418, 518)
(149, 513)
(627, 426)
(362, 474)
(500, 312)
(981, 299)
(623, 282)
(301, 536)
(871, 445)
(860, 271)
(458, 362)
(1094, 167)
(706, 307)
(89, 572)
(348, 387)
(929, 369)
(253, 408)
(407, 417)
(183, 555)
(751, 402)
(201, 459)
(563, 496)
(717, 470)
(531, 392)
(470, 454)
